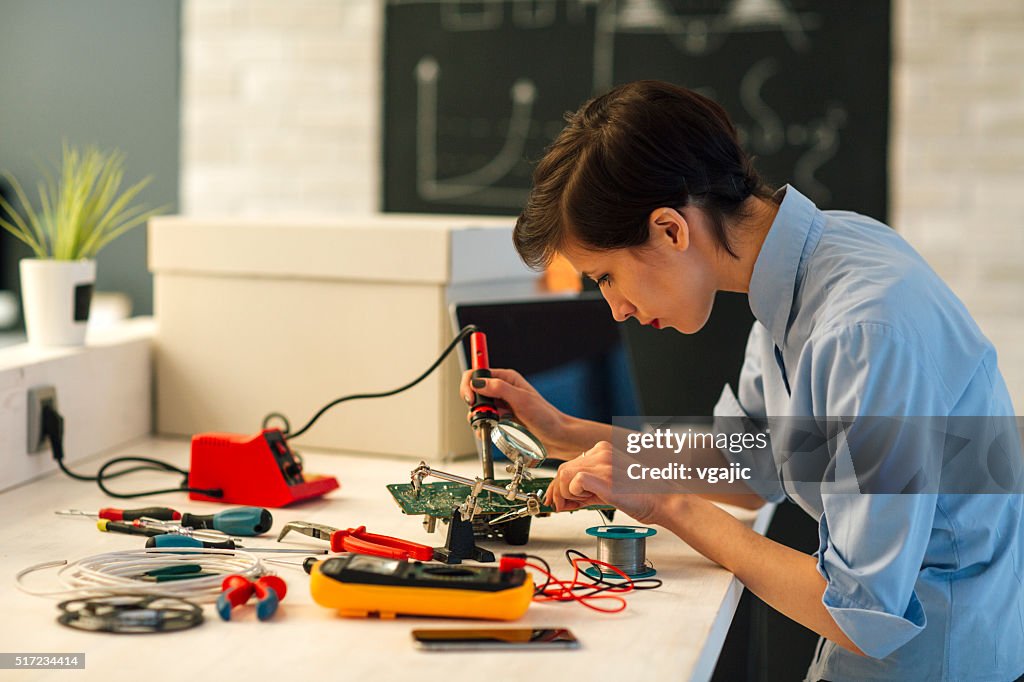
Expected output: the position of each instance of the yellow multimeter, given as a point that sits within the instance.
(358, 585)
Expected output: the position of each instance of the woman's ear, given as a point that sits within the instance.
(669, 227)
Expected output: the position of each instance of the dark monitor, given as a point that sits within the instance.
(570, 349)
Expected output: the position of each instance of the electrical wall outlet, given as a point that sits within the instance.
(38, 397)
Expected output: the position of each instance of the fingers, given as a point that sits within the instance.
(498, 388)
(582, 481)
(586, 484)
(556, 494)
(509, 376)
(487, 387)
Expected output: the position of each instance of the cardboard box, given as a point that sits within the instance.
(261, 316)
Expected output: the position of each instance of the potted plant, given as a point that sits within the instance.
(81, 209)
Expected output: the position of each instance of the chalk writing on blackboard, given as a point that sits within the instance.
(476, 89)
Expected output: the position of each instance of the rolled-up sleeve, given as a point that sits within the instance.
(872, 545)
(746, 413)
(870, 567)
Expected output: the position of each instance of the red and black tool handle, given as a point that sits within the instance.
(158, 513)
(482, 407)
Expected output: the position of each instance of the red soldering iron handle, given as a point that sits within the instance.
(482, 407)
(478, 348)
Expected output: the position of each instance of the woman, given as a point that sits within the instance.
(647, 192)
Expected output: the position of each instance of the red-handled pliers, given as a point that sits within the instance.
(357, 540)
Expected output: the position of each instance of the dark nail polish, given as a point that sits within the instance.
(479, 383)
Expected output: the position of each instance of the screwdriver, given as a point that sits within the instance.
(128, 528)
(171, 540)
(248, 521)
(114, 514)
(483, 412)
(174, 540)
(141, 527)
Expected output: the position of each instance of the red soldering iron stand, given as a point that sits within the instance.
(259, 470)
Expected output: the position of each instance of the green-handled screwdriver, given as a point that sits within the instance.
(247, 521)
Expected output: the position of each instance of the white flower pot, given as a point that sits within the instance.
(55, 298)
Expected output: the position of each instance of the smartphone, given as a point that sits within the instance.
(496, 639)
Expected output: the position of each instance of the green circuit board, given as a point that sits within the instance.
(440, 497)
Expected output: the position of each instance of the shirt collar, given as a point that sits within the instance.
(778, 270)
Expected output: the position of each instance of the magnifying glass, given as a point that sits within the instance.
(518, 444)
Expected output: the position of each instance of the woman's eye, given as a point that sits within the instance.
(603, 279)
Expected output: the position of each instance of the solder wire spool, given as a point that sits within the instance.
(625, 548)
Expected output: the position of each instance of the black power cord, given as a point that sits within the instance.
(53, 428)
(463, 333)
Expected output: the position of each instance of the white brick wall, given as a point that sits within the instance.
(280, 106)
(281, 113)
(958, 157)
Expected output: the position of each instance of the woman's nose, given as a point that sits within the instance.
(621, 309)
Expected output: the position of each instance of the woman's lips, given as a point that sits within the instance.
(656, 323)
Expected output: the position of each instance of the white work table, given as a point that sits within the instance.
(674, 632)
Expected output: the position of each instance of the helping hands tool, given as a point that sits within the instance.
(359, 541)
(511, 438)
(237, 589)
(522, 448)
(460, 542)
(468, 509)
(524, 451)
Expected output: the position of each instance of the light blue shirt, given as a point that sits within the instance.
(850, 322)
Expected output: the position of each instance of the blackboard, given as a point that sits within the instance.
(474, 90)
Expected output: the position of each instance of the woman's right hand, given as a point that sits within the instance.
(515, 396)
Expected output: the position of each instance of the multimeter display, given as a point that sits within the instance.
(371, 570)
(369, 564)
(360, 585)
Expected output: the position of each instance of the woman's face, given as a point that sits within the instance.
(667, 282)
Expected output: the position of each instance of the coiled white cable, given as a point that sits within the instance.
(122, 572)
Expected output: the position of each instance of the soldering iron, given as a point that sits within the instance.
(483, 413)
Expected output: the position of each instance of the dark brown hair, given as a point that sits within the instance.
(639, 147)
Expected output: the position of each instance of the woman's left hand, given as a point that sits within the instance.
(587, 480)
